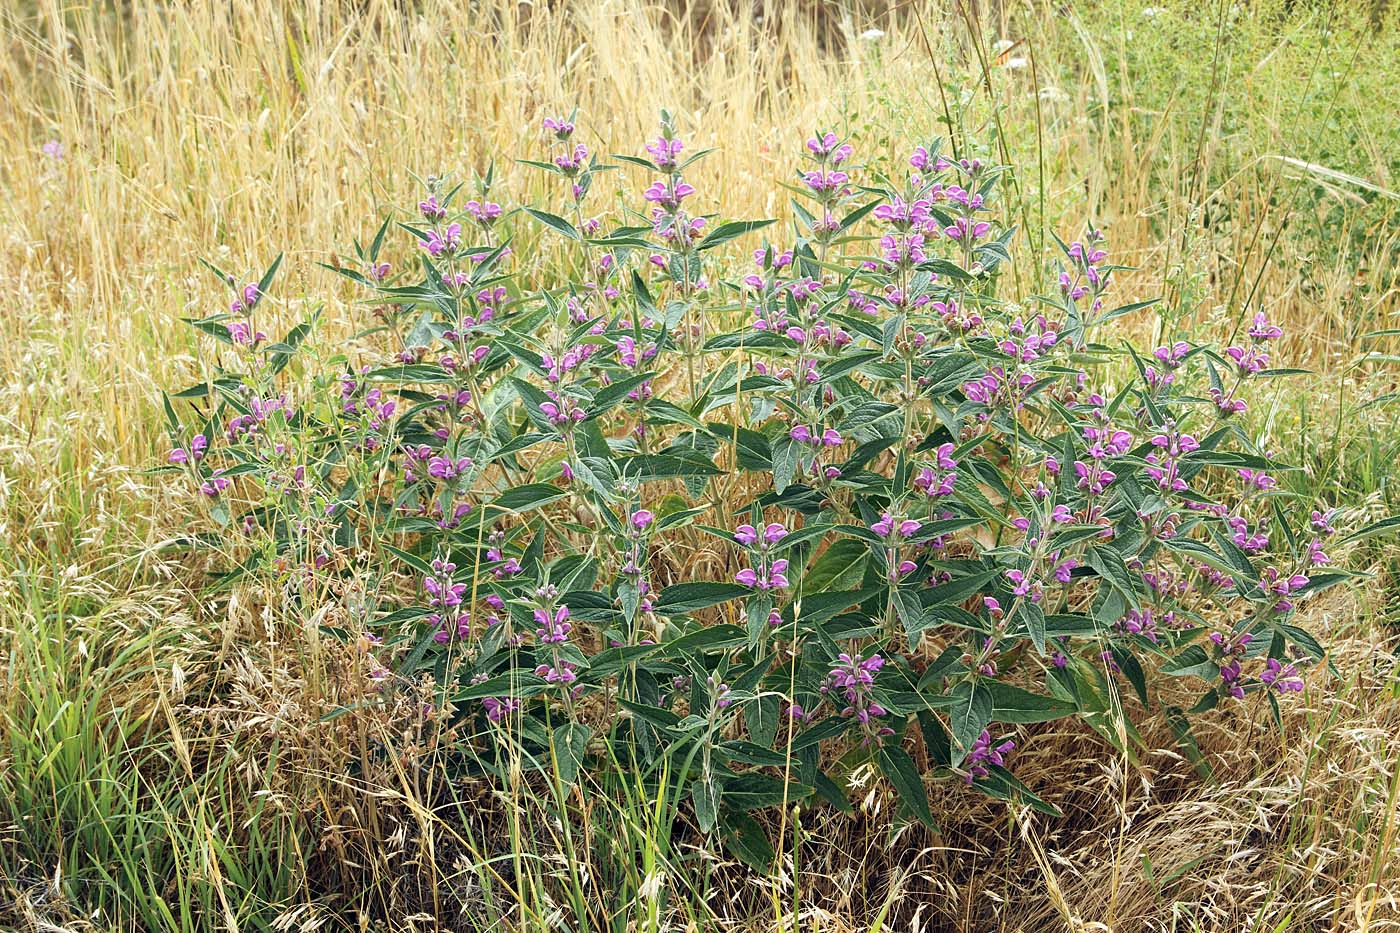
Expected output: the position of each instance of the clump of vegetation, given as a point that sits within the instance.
(943, 507)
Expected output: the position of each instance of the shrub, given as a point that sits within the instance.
(866, 503)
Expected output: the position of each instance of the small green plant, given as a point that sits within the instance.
(740, 536)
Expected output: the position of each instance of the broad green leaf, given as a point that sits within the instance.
(1192, 662)
(745, 838)
(840, 567)
(728, 231)
(527, 497)
(1014, 704)
(555, 221)
(681, 598)
(704, 795)
(570, 746)
(971, 713)
(900, 770)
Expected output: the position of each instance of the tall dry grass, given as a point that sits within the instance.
(1235, 156)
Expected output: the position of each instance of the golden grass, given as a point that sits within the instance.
(237, 130)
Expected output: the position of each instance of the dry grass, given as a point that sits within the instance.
(236, 130)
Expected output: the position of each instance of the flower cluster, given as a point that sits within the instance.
(768, 574)
(852, 680)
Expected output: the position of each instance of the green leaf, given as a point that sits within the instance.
(1192, 662)
(1034, 617)
(1013, 704)
(1002, 784)
(288, 347)
(1302, 639)
(269, 275)
(840, 567)
(728, 231)
(744, 837)
(662, 718)
(511, 683)
(1384, 526)
(828, 728)
(669, 466)
(751, 449)
(610, 396)
(1186, 741)
(681, 598)
(902, 773)
(1108, 564)
(527, 497)
(912, 614)
(758, 608)
(818, 607)
(704, 795)
(786, 453)
(555, 221)
(708, 638)
(415, 561)
(971, 712)
(570, 746)
(754, 790)
(762, 717)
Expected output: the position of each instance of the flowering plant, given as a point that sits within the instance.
(854, 498)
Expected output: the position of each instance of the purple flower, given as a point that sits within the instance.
(484, 213)
(1230, 674)
(194, 453)
(1261, 329)
(1064, 569)
(668, 194)
(642, 518)
(720, 691)
(984, 753)
(564, 673)
(559, 126)
(1283, 678)
(498, 708)
(664, 152)
(442, 590)
(445, 243)
(1322, 524)
(215, 484)
(1022, 584)
(893, 530)
(1227, 403)
(853, 679)
(561, 413)
(766, 576)
(1258, 479)
(826, 183)
(553, 630)
(826, 146)
(431, 209)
